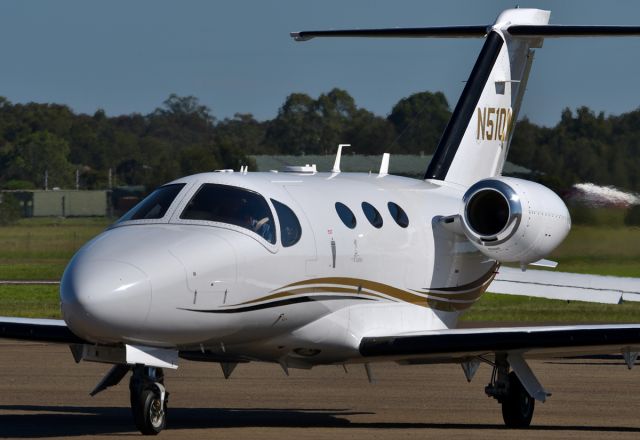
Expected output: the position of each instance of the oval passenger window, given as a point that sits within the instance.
(398, 214)
(346, 215)
(372, 214)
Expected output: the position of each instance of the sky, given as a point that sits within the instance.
(236, 56)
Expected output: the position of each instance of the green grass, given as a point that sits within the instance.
(39, 249)
(600, 250)
(33, 270)
(508, 308)
(30, 301)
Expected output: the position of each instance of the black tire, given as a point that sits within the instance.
(149, 413)
(518, 406)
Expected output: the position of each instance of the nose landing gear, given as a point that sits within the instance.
(149, 399)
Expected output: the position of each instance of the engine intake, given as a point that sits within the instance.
(490, 207)
(514, 220)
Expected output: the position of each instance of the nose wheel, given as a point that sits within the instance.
(148, 399)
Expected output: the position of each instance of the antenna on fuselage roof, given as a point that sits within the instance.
(384, 165)
(336, 164)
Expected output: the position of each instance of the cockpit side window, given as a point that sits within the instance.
(232, 205)
(155, 205)
(290, 230)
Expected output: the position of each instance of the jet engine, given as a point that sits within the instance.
(514, 220)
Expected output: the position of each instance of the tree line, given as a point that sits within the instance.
(182, 137)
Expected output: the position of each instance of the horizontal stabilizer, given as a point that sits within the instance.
(566, 286)
(421, 32)
(477, 31)
(559, 31)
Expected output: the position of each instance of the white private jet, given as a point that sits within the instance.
(304, 268)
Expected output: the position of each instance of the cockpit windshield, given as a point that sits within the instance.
(155, 205)
(232, 205)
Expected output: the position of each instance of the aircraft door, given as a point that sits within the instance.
(308, 241)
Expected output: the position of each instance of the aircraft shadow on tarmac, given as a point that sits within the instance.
(54, 421)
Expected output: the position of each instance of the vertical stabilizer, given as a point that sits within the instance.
(475, 142)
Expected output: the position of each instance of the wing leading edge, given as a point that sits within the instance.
(40, 330)
(543, 341)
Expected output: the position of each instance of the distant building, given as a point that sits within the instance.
(412, 165)
(123, 198)
(62, 203)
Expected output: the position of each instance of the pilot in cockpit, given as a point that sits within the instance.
(257, 220)
(235, 206)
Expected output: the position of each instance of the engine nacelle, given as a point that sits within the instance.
(514, 220)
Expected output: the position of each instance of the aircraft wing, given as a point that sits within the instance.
(41, 330)
(530, 342)
(565, 286)
(56, 331)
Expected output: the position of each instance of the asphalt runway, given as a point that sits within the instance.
(43, 393)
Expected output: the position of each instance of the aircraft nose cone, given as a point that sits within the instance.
(103, 300)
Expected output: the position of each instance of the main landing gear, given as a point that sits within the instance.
(517, 405)
(148, 399)
(508, 390)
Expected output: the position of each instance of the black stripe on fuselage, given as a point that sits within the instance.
(283, 302)
(452, 135)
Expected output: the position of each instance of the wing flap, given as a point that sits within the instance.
(566, 286)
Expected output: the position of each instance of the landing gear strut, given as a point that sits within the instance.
(507, 389)
(148, 399)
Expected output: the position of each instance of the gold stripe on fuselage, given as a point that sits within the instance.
(316, 289)
(446, 299)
